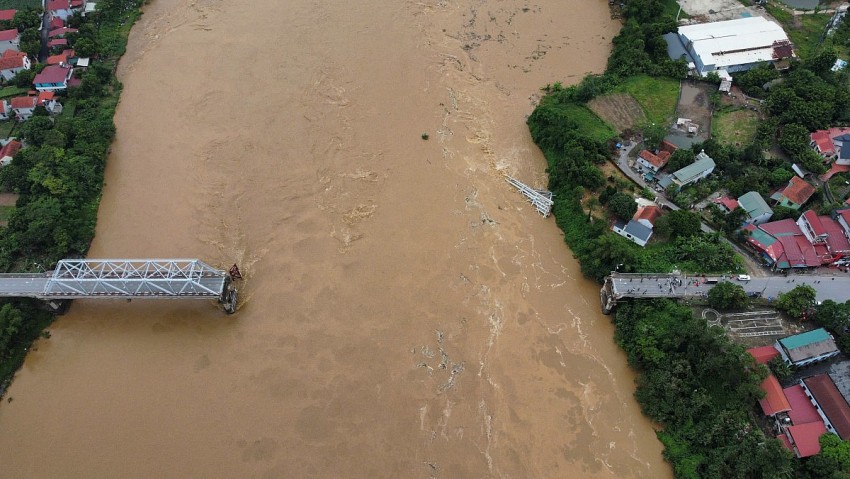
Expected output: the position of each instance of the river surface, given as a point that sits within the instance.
(404, 314)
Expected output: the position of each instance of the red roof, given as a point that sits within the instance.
(60, 58)
(814, 222)
(56, 23)
(785, 442)
(12, 59)
(798, 190)
(806, 438)
(22, 102)
(790, 244)
(7, 15)
(729, 203)
(58, 32)
(649, 213)
(76, 3)
(835, 239)
(57, 42)
(668, 147)
(652, 159)
(10, 149)
(833, 405)
(763, 354)
(52, 74)
(823, 142)
(802, 410)
(845, 213)
(834, 170)
(54, 5)
(8, 35)
(774, 400)
(45, 96)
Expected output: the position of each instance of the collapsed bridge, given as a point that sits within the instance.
(124, 278)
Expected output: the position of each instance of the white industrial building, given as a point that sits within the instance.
(734, 45)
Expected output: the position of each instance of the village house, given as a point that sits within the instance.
(56, 23)
(809, 242)
(807, 348)
(61, 32)
(795, 194)
(10, 40)
(12, 62)
(8, 152)
(63, 58)
(59, 9)
(699, 169)
(758, 212)
(652, 162)
(832, 144)
(53, 78)
(24, 106)
(7, 15)
(830, 404)
(57, 43)
(639, 229)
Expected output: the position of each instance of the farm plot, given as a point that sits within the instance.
(619, 110)
(735, 127)
(757, 323)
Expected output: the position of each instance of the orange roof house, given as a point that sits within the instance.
(795, 195)
(774, 400)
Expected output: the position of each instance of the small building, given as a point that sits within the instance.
(795, 194)
(647, 215)
(699, 169)
(774, 400)
(726, 204)
(23, 106)
(10, 40)
(633, 231)
(7, 15)
(8, 152)
(805, 438)
(57, 43)
(763, 354)
(651, 161)
(12, 62)
(89, 8)
(53, 78)
(735, 45)
(831, 406)
(63, 58)
(802, 441)
(758, 212)
(61, 32)
(59, 9)
(807, 348)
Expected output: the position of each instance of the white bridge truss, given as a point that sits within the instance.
(132, 278)
(541, 199)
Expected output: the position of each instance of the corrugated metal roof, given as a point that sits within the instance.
(804, 339)
(754, 204)
(702, 164)
(734, 42)
(774, 400)
(833, 405)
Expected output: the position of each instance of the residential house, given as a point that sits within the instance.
(5, 110)
(47, 99)
(56, 23)
(10, 40)
(61, 32)
(774, 400)
(7, 15)
(63, 58)
(12, 62)
(646, 215)
(809, 242)
(727, 204)
(795, 194)
(651, 161)
(89, 8)
(802, 426)
(23, 106)
(807, 348)
(8, 152)
(758, 212)
(763, 354)
(633, 231)
(829, 403)
(699, 169)
(832, 144)
(53, 78)
(843, 217)
(59, 9)
(826, 235)
(57, 43)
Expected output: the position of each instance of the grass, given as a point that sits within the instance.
(11, 91)
(657, 96)
(590, 124)
(671, 7)
(734, 127)
(6, 213)
(804, 30)
(19, 4)
(6, 128)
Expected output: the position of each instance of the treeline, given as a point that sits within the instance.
(701, 388)
(59, 174)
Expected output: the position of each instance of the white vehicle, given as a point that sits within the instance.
(744, 277)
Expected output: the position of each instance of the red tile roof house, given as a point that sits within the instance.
(646, 215)
(651, 161)
(795, 195)
(61, 32)
(763, 354)
(52, 78)
(832, 144)
(56, 23)
(7, 15)
(63, 58)
(57, 43)
(12, 62)
(23, 106)
(59, 9)
(774, 400)
(726, 204)
(10, 40)
(802, 425)
(8, 152)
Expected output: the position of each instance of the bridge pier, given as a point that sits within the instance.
(607, 297)
(57, 306)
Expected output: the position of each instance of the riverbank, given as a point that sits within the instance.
(406, 313)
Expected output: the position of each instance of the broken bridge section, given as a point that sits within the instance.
(126, 278)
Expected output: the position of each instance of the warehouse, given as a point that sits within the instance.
(734, 45)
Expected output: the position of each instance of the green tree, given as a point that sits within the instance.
(678, 223)
(726, 295)
(733, 220)
(833, 461)
(797, 301)
(779, 368)
(622, 206)
(10, 324)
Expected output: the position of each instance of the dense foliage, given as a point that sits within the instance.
(700, 387)
(727, 295)
(59, 174)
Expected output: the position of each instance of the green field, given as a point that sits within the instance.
(11, 91)
(657, 96)
(804, 30)
(590, 124)
(734, 127)
(19, 4)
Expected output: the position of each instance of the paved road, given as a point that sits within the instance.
(836, 288)
(41, 286)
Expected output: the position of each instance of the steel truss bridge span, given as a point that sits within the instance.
(125, 278)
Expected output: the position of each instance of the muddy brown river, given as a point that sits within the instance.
(404, 314)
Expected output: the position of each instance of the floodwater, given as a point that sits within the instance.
(405, 313)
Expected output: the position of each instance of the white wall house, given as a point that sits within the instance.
(12, 62)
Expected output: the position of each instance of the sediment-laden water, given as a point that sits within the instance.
(404, 313)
